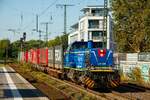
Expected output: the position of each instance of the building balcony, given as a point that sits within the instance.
(91, 16)
(98, 38)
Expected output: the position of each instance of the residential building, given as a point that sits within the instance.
(91, 27)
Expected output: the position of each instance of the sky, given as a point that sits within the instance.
(20, 15)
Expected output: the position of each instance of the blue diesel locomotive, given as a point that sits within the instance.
(86, 63)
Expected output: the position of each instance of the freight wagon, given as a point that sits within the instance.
(83, 63)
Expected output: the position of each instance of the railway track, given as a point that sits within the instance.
(123, 92)
(97, 94)
(132, 92)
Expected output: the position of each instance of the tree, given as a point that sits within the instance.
(34, 44)
(59, 40)
(4, 47)
(132, 25)
(15, 46)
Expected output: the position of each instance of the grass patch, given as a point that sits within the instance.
(2, 65)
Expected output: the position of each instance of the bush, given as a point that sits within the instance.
(123, 77)
(136, 73)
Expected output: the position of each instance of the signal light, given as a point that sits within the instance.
(24, 36)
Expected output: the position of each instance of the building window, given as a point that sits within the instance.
(97, 35)
(93, 23)
(97, 12)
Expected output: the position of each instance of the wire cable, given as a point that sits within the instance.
(52, 4)
(40, 14)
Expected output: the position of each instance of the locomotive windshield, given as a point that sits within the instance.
(97, 44)
(83, 45)
(79, 45)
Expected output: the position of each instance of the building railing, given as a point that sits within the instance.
(98, 38)
(90, 15)
(94, 26)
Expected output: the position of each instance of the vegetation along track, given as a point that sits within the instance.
(39, 80)
(73, 91)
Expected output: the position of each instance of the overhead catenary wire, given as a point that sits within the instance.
(52, 4)
(65, 15)
(40, 14)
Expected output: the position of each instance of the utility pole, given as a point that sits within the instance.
(37, 26)
(65, 15)
(21, 18)
(105, 22)
(46, 31)
(46, 28)
(37, 23)
(39, 34)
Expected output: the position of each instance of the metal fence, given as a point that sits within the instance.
(129, 61)
(144, 57)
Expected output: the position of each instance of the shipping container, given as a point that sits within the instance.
(22, 57)
(34, 56)
(43, 56)
(51, 60)
(58, 57)
(29, 56)
(26, 56)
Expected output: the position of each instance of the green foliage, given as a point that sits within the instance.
(34, 44)
(54, 42)
(59, 40)
(4, 46)
(14, 47)
(132, 25)
(4, 43)
(136, 74)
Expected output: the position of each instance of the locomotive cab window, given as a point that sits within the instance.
(79, 45)
(97, 44)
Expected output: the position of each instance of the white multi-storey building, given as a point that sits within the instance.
(90, 27)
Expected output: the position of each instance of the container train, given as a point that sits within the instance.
(83, 62)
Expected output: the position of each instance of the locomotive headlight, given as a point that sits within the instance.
(101, 53)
